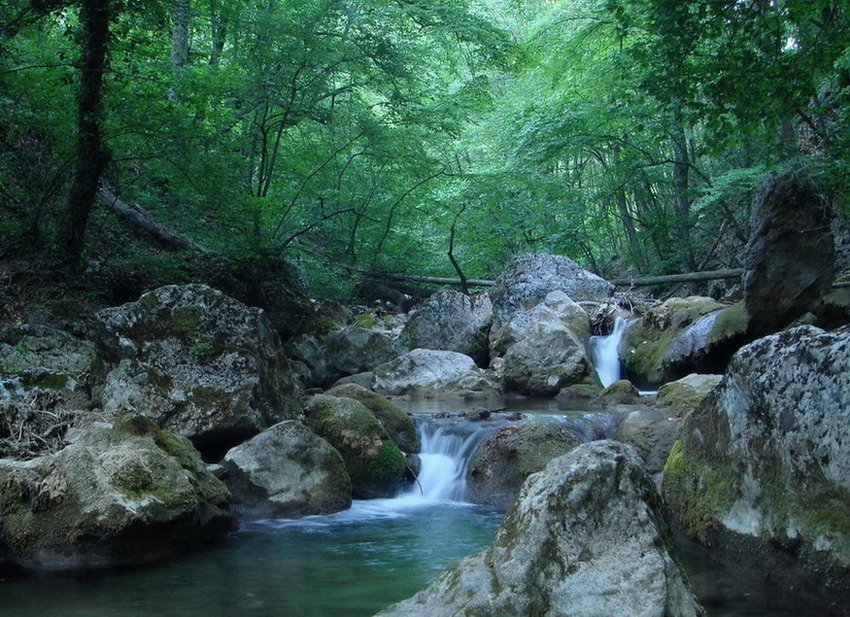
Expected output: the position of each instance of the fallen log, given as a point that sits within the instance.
(141, 219)
(689, 277)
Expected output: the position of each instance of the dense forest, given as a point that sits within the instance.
(324, 139)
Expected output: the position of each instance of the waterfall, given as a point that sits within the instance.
(605, 352)
(445, 457)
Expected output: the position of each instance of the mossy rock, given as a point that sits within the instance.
(683, 395)
(646, 344)
(622, 392)
(374, 462)
(398, 424)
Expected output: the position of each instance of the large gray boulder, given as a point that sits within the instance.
(287, 471)
(545, 347)
(452, 321)
(585, 538)
(120, 494)
(40, 362)
(529, 278)
(374, 462)
(429, 372)
(507, 457)
(764, 463)
(199, 363)
(790, 257)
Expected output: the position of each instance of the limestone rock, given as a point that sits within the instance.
(506, 458)
(355, 349)
(429, 372)
(621, 392)
(789, 259)
(545, 347)
(398, 424)
(585, 538)
(654, 347)
(529, 278)
(374, 462)
(199, 363)
(765, 458)
(120, 494)
(652, 433)
(452, 321)
(683, 395)
(287, 471)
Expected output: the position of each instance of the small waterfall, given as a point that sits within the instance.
(605, 352)
(445, 457)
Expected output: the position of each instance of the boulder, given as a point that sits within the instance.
(762, 468)
(654, 349)
(428, 372)
(397, 423)
(356, 349)
(199, 363)
(586, 537)
(375, 464)
(41, 362)
(621, 392)
(790, 256)
(529, 278)
(684, 395)
(506, 458)
(452, 321)
(287, 471)
(545, 347)
(652, 433)
(120, 494)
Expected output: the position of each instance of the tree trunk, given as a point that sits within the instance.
(91, 155)
(218, 30)
(180, 34)
(682, 200)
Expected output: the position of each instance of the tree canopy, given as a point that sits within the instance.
(431, 137)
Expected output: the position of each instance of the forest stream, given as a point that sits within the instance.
(353, 563)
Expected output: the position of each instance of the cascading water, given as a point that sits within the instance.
(605, 352)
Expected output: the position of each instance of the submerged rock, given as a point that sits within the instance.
(433, 373)
(375, 464)
(529, 278)
(199, 363)
(452, 321)
(764, 463)
(120, 494)
(585, 538)
(506, 458)
(287, 471)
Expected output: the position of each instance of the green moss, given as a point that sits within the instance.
(385, 468)
(50, 381)
(323, 325)
(149, 300)
(181, 320)
(366, 320)
(699, 494)
(202, 351)
(731, 321)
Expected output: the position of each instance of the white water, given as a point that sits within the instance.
(605, 352)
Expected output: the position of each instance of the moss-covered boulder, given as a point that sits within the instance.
(199, 363)
(398, 424)
(287, 471)
(621, 392)
(586, 538)
(375, 464)
(764, 463)
(120, 494)
(506, 458)
(683, 395)
(677, 337)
